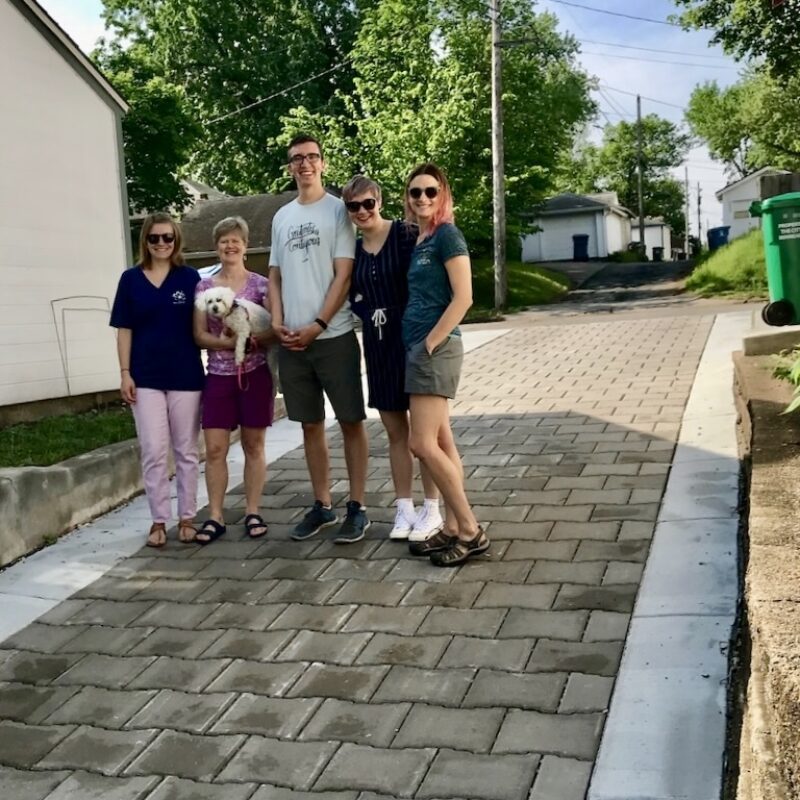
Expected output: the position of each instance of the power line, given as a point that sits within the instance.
(633, 94)
(651, 49)
(617, 13)
(277, 94)
(658, 61)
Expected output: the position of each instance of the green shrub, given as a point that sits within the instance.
(625, 257)
(737, 268)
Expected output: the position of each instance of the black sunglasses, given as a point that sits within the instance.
(355, 205)
(430, 192)
(167, 238)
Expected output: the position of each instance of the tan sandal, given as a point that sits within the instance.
(184, 525)
(158, 535)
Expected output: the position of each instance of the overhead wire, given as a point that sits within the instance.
(616, 13)
(659, 61)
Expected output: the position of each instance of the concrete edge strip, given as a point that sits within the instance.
(664, 738)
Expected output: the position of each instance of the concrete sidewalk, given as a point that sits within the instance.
(255, 670)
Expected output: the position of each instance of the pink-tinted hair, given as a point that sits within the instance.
(444, 213)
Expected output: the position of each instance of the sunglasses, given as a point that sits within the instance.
(429, 191)
(154, 238)
(355, 205)
(312, 158)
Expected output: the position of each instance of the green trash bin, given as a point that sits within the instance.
(781, 229)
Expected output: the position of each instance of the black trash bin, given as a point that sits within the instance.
(580, 247)
(658, 254)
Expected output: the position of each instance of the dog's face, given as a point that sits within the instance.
(216, 301)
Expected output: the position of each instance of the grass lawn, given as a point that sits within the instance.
(737, 269)
(528, 285)
(54, 439)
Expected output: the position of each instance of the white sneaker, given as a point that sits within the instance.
(402, 525)
(428, 522)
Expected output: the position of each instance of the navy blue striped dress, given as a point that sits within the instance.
(378, 295)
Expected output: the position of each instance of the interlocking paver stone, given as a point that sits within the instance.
(443, 687)
(109, 671)
(336, 648)
(181, 711)
(36, 668)
(346, 683)
(375, 593)
(595, 658)
(300, 616)
(361, 723)
(292, 764)
(458, 595)
(392, 772)
(27, 785)
(108, 708)
(97, 750)
(184, 789)
(459, 728)
(186, 755)
(469, 621)
(270, 716)
(586, 693)
(456, 774)
(520, 596)
(88, 786)
(256, 645)
(420, 651)
(43, 638)
(561, 779)
(531, 623)
(179, 673)
(24, 745)
(257, 677)
(606, 626)
(22, 702)
(174, 642)
(507, 654)
(606, 598)
(387, 620)
(513, 690)
(240, 615)
(575, 735)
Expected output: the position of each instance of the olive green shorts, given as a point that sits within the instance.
(434, 373)
(332, 366)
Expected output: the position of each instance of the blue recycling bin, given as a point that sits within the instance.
(717, 237)
(580, 247)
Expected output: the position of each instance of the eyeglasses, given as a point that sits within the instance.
(298, 159)
(430, 192)
(355, 205)
(154, 238)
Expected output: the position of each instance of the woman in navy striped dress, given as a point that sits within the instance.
(378, 295)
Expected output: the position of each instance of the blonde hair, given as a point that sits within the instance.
(229, 225)
(145, 259)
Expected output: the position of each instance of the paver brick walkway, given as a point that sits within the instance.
(272, 669)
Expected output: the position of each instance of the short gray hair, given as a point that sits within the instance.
(229, 225)
(360, 184)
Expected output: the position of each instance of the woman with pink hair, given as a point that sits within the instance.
(439, 295)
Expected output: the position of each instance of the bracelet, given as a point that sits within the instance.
(124, 369)
(321, 323)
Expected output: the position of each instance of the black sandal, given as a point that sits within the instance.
(433, 544)
(253, 522)
(212, 529)
(461, 550)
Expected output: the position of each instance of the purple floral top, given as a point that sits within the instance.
(221, 362)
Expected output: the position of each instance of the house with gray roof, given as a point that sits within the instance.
(257, 210)
(64, 218)
(562, 222)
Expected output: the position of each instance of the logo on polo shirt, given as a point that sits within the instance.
(178, 298)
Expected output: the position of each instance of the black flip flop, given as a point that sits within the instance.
(253, 521)
(212, 529)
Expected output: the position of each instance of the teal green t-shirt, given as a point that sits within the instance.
(429, 290)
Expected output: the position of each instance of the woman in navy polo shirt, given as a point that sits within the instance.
(162, 374)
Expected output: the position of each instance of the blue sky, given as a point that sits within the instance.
(667, 82)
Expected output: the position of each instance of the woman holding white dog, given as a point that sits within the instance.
(235, 395)
(161, 372)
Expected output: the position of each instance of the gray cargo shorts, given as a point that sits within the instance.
(437, 372)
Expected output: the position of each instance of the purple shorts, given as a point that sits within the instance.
(227, 406)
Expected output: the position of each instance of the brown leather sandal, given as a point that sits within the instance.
(158, 535)
(184, 525)
(461, 550)
(433, 544)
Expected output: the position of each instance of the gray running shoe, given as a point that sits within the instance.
(355, 524)
(317, 518)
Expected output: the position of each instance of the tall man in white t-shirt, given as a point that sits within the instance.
(311, 262)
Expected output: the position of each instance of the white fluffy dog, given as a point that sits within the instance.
(243, 317)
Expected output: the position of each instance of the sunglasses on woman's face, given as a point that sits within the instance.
(154, 238)
(430, 192)
(355, 205)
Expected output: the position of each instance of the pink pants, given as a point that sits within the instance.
(164, 419)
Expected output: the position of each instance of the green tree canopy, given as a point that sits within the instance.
(422, 91)
(754, 123)
(745, 28)
(612, 166)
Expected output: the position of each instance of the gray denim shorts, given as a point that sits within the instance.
(332, 366)
(435, 373)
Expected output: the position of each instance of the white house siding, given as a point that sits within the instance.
(654, 236)
(618, 233)
(554, 241)
(735, 204)
(62, 226)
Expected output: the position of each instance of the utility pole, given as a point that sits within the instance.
(642, 245)
(699, 213)
(686, 211)
(498, 165)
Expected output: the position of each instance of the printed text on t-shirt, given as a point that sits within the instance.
(302, 237)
